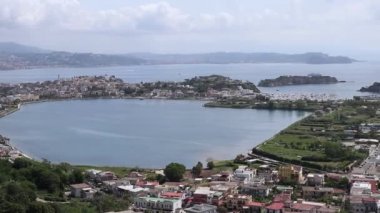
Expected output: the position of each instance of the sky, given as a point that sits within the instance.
(337, 27)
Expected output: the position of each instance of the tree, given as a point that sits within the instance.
(46, 179)
(210, 165)
(334, 150)
(106, 203)
(37, 207)
(342, 183)
(151, 177)
(239, 158)
(174, 171)
(19, 193)
(197, 169)
(76, 176)
(20, 163)
(8, 207)
(160, 178)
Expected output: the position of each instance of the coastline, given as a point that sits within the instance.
(6, 113)
(13, 110)
(103, 98)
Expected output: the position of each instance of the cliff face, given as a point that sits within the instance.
(297, 80)
(375, 87)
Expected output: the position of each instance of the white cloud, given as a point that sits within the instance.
(69, 15)
(293, 23)
(22, 13)
(163, 17)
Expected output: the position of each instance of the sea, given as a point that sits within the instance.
(153, 133)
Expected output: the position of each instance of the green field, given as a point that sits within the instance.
(316, 140)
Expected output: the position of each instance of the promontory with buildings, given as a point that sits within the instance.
(204, 87)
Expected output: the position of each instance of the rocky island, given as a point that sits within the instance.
(375, 88)
(289, 80)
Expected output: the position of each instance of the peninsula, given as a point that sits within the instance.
(289, 80)
(374, 88)
(200, 88)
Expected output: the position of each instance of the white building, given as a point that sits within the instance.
(360, 188)
(130, 190)
(157, 205)
(244, 174)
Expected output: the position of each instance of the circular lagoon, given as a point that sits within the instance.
(144, 133)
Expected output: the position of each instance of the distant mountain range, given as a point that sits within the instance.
(236, 57)
(11, 47)
(17, 56)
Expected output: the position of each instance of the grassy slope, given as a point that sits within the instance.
(299, 140)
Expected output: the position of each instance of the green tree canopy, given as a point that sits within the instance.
(76, 176)
(174, 171)
(197, 169)
(210, 165)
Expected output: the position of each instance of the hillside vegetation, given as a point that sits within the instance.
(316, 141)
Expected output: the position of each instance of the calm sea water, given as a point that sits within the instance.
(357, 75)
(152, 133)
(148, 133)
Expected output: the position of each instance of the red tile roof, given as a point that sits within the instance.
(369, 200)
(302, 206)
(275, 206)
(80, 186)
(253, 203)
(283, 197)
(171, 195)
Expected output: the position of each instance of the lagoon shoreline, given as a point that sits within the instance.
(104, 98)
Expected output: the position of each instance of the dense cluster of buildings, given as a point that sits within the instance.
(7, 151)
(265, 189)
(112, 87)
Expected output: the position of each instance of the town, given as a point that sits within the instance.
(244, 187)
(205, 87)
(327, 162)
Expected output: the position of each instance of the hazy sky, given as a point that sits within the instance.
(345, 27)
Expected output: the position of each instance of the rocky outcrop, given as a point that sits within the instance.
(297, 80)
(375, 88)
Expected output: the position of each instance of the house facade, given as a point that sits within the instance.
(157, 205)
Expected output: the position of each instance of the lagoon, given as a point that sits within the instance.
(144, 133)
